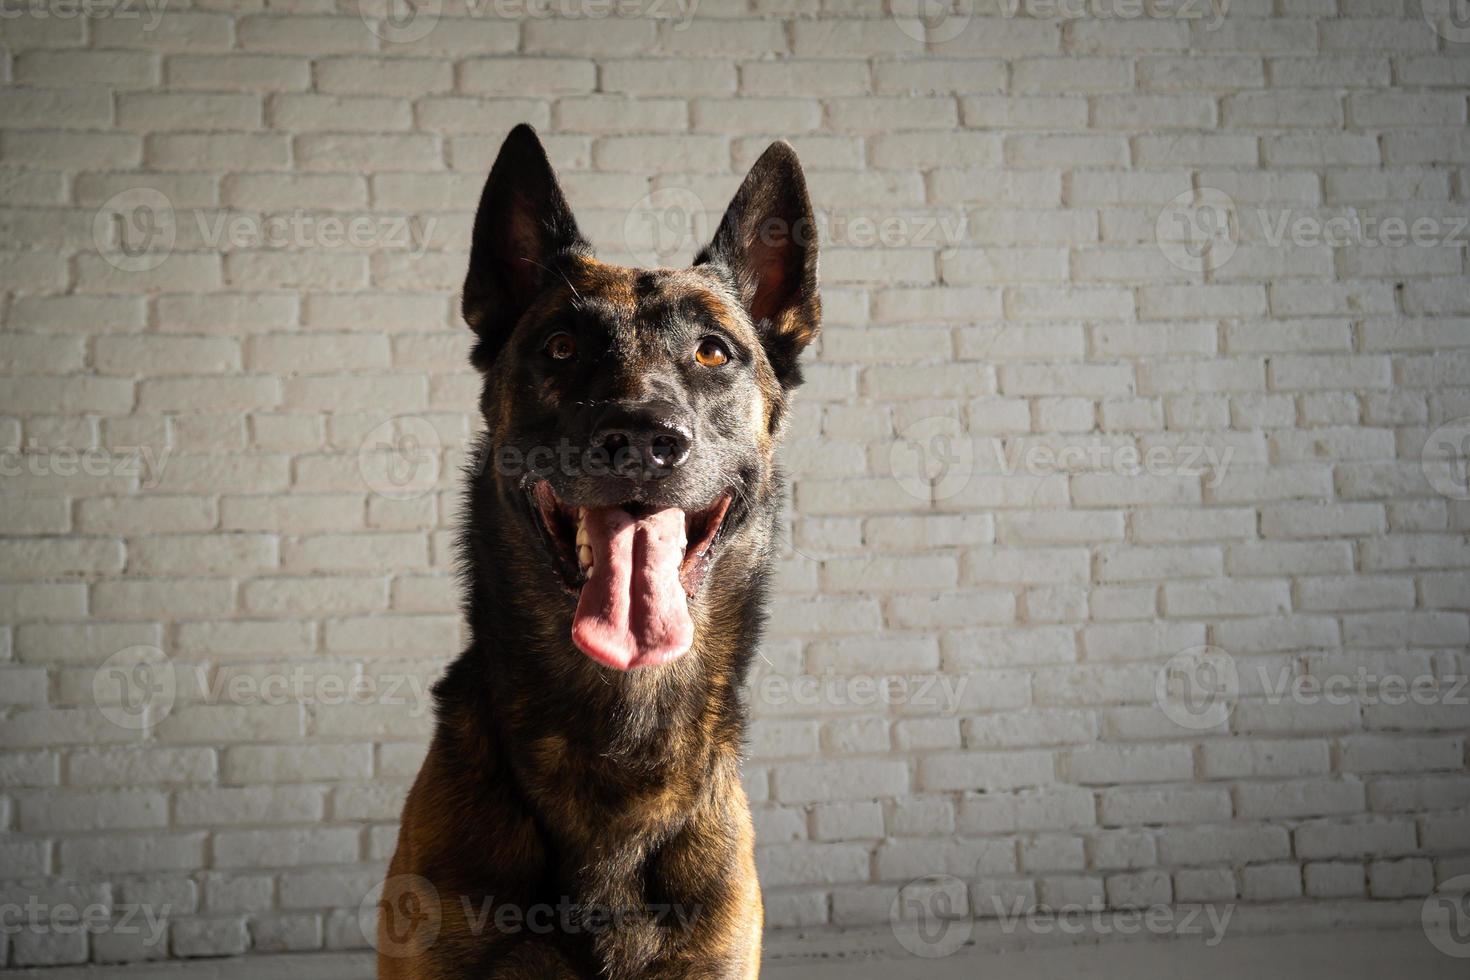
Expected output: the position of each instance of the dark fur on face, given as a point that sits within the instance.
(551, 777)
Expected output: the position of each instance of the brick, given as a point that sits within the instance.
(986, 771)
(813, 782)
(407, 77)
(276, 848)
(1334, 880)
(243, 73)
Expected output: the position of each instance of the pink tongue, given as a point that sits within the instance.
(633, 611)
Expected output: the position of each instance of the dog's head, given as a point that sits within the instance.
(632, 415)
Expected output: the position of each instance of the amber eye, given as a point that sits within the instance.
(712, 352)
(560, 346)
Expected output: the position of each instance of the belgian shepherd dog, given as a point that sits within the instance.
(580, 812)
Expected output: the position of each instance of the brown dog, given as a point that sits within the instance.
(580, 812)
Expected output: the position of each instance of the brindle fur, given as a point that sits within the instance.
(551, 779)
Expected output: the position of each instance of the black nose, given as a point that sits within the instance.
(647, 440)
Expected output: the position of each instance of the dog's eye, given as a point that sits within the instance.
(560, 346)
(712, 352)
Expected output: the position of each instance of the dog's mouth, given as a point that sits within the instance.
(633, 568)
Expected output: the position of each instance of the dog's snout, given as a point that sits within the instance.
(649, 439)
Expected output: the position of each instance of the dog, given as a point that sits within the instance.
(579, 812)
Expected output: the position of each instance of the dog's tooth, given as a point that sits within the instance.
(584, 555)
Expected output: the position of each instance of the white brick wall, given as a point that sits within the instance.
(1137, 329)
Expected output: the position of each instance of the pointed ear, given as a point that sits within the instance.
(522, 229)
(767, 242)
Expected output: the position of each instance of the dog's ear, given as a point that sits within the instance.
(768, 243)
(522, 229)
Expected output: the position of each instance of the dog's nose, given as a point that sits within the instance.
(646, 440)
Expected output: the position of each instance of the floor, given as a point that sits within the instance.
(1358, 954)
